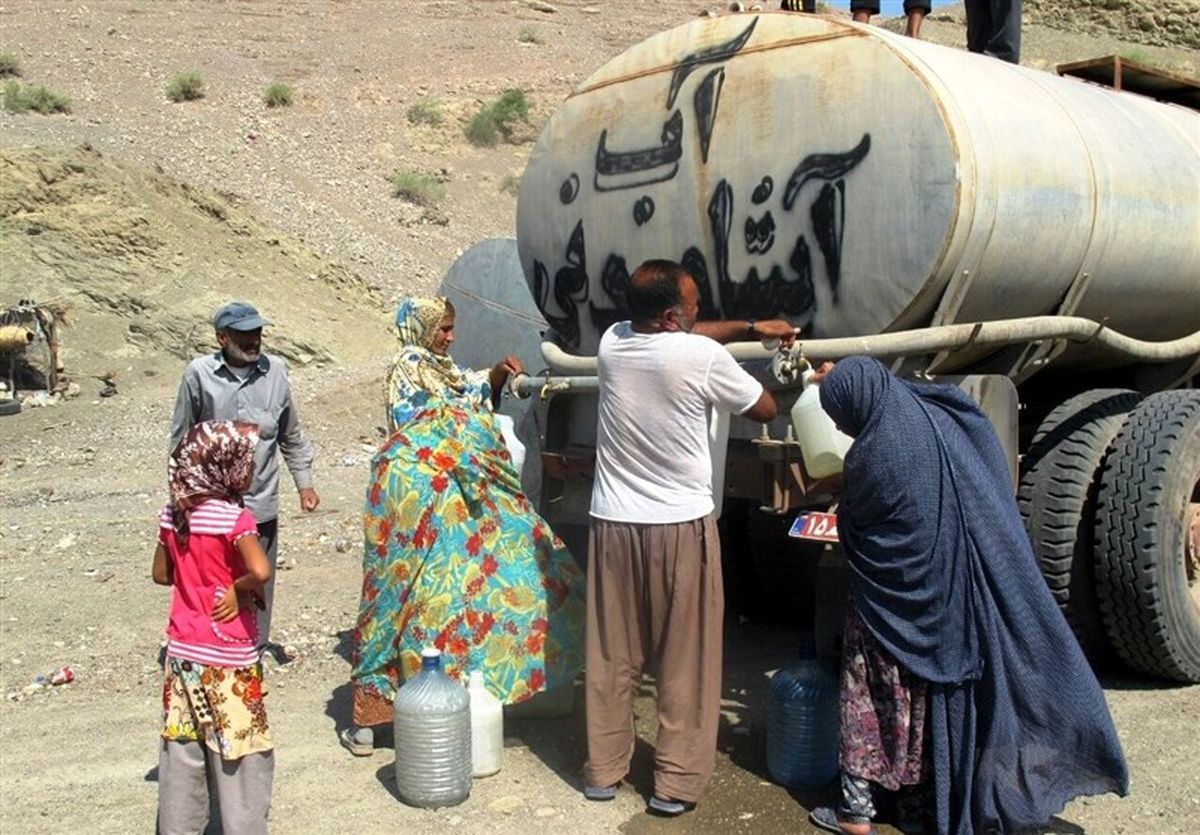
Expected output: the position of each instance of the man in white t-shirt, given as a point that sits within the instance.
(654, 594)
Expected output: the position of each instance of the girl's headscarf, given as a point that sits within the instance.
(215, 460)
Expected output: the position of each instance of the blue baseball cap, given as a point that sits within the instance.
(238, 316)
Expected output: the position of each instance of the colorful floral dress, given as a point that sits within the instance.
(455, 556)
(219, 706)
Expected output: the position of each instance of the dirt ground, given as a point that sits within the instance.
(80, 481)
(79, 486)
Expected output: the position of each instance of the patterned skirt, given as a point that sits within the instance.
(455, 557)
(219, 706)
(883, 713)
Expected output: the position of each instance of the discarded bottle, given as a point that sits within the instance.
(487, 728)
(822, 446)
(802, 723)
(433, 737)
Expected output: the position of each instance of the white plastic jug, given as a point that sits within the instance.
(487, 728)
(821, 444)
(516, 449)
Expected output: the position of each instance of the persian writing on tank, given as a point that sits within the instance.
(750, 261)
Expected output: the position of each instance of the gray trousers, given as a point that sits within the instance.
(268, 537)
(190, 775)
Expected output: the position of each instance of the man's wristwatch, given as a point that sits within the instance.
(751, 325)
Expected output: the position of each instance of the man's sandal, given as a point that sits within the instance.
(600, 792)
(667, 807)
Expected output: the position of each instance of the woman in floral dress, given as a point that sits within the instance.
(454, 555)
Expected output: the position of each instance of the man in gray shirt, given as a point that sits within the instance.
(240, 382)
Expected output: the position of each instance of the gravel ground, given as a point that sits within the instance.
(75, 546)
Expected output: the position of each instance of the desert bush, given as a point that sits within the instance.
(529, 34)
(425, 112)
(512, 106)
(511, 184)
(417, 187)
(185, 86)
(498, 118)
(35, 97)
(482, 130)
(9, 64)
(278, 94)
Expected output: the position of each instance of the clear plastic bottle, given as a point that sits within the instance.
(802, 723)
(433, 737)
(821, 444)
(487, 728)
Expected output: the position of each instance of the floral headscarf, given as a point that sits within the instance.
(417, 373)
(215, 460)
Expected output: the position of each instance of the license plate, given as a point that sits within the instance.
(819, 526)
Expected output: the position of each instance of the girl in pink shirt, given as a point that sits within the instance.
(215, 728)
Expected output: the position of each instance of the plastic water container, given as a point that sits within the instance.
(821, 444)
(487, 728)
(802, 723)
(508, 430)
(433, 737)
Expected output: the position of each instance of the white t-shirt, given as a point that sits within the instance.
(652, 459)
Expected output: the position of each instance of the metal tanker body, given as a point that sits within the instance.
(859, 182)
(1034, 239)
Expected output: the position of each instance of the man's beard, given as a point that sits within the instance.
(237, 356)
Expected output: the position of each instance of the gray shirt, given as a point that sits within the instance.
(210, 390)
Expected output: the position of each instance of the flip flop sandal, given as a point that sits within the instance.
(600, 792)
(823, 817)
(358, 749)
(667, 807)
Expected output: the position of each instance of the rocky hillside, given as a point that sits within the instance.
(1161, 23)
(143, 260)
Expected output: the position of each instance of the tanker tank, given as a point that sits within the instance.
(859, 182)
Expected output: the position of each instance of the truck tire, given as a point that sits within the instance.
(1145, 537)
(10, 407)
(1056, 496)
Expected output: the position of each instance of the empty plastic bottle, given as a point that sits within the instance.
(433, 737)
(802, 723)
(487, 728)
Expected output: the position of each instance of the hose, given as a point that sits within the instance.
(932, 340)
(523, 385)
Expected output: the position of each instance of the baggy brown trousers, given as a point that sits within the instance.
(654, 600)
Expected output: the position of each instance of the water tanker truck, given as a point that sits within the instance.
(1034, 239)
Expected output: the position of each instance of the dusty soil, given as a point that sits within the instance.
(178, 206)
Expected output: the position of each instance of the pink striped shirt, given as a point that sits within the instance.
(204, 571)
